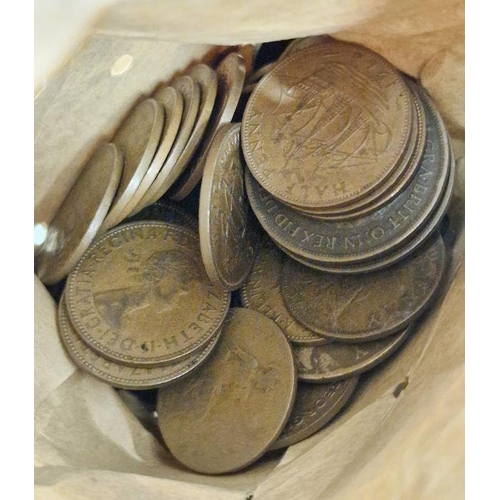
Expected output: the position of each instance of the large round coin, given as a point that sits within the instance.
(137, 139)
(170, 171)
(166, 211)
(262, 292)
(122, 376)
(327, 125)
(369, 236)
(338, 360)
(228, 235)
(140, 295)
(225, 417)
(358, 308)
(314, 407)
(230, 78)
(81, 214)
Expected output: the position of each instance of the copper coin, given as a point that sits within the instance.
(314, 407)
(260, 73)
(304, 43)
(338, 360)
(327, 125)
(170, 171)
(225, 416)
(171, 100)
(230, 75)
(140, 295)
(369, 236)
(248, 53)
(362, 307)
(166, 211)
(262, 292)
(228, 234)
(137, 139)
(122, 376)
(81, 214)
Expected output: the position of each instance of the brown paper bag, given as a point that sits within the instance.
(402, 436)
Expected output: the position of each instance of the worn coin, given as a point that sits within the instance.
(304, 43)
(262, 292)
(374, 234)
(137, 139)
(327, 125)
(338, 360)
(230, 78)
(225, 416)
(166, 211)
(140, 295)
(362, 307)
(191, 94)
(261, 72)
(171, 100)
(228, 235)
(79, 217)
(122, 376)
(314, 407)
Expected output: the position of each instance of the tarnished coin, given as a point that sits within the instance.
(314, 407)
(260, 73)
(137, 139)
(191, 94)
(358, 308)
(262, 292)
(230, 78)
(140, 295)
(122, 376)
(171, 100)
(79, 217)
(304, 43)
(228, 235)
(327, 125)
(225, 416)
(338, 360)
(374, 234)
(166, 211)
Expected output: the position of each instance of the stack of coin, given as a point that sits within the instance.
(347, 167)
(348, 161)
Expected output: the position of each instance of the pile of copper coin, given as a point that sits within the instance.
(315, 249)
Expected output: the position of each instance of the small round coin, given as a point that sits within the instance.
(226, 416)
(338, 360)
(314, 407)
(137, 139)
(140, 295)
(80, 216)
(171, 100)
(228, 235)
(372, 235)
(230, 79)
(122, 376)
(191, 95)
(358, 308)
(327, 125)
(262, 292)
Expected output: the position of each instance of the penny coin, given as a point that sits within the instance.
(327, 125)
(230, 78)
(81, 214)
(248, 53)
(362, 307)
(166, 211)
(137, 139)
(261, 72)
(338, 360)
(262, 292)
(304, 43)
(314, 407)
(140, 295)
(225, 416)
(191, 94)
(122, 376)
(369, 236)
(171, 100)
(228, 235)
